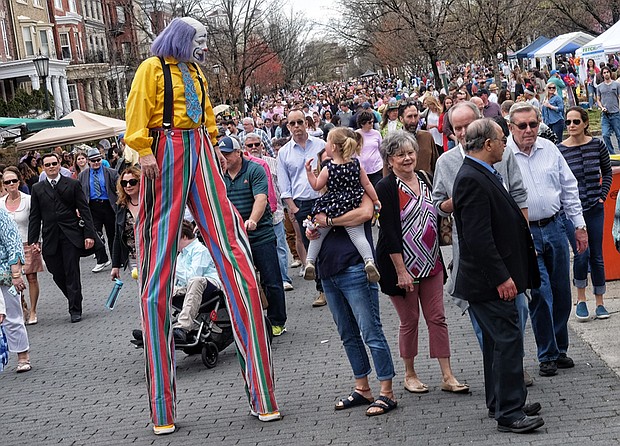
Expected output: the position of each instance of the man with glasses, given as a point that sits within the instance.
(255, 152)
(448, 165)
(607, 95)
(551, 187)
(497, 262)
(54, 203)
(296, 192)
(247, 187)
(99, 186)
(249, 127)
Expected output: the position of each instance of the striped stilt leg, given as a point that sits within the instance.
(222, 228)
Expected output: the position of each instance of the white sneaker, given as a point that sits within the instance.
(287, 286)
(302, 271)
(101, 266)
(296, 263)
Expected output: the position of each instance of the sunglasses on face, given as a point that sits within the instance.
(11, 181)
(95, 161)
(131, 182)
(298, 122)
(252, 144)
(550, 88)
(568, 122)
(524, 125)
(52, 164)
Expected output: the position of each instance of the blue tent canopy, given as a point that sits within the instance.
(531, 48)
(570, 47)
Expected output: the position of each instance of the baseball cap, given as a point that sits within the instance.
(228, 144)
(553, 72)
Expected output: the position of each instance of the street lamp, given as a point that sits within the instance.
(216, 71)
(42, 65)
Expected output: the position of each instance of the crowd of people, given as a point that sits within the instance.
(297, 181)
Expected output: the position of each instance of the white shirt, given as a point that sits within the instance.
(549, 181)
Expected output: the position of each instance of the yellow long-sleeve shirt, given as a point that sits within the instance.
(145, 104)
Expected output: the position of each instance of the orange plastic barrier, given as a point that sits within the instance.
(610, 255)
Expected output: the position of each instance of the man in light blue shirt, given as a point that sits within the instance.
(295, 190)
(195, 271)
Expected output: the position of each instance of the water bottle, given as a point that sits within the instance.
(116, 290)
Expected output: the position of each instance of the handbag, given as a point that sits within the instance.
(444, 224)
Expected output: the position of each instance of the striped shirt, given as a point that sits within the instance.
(549, 181)
(589, 163)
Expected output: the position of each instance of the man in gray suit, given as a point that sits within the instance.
(99, 186)
(448, 165)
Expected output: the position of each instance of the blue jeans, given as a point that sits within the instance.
(610, 123)
(551, 303)
(558, 129)
(522, 309)
(354, 303)
(282, 248)
(265, 258)
(593, 255)
(591, 95)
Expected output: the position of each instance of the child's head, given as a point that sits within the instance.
(345, 142)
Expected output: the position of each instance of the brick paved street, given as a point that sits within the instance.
(87, 386)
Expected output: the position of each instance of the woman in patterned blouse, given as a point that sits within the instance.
(409, 259)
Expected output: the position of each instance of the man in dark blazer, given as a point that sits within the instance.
(56, 202)
(99, 185)
(497, 261)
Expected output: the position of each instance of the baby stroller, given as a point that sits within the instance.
(214, 332)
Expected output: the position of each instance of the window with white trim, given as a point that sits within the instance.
(28, 43)
(73, 97)
(72, 6)
(58, 4)
(65, 45)
(78, 46)
(37, 3)
(45, 44)
(5, 39)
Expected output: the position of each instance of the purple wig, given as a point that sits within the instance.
(175, 41)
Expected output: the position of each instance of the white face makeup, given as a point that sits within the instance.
(199, 43)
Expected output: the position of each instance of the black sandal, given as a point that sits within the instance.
(353, 400)
(384, 403)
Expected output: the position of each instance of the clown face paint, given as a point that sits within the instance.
(199, 43)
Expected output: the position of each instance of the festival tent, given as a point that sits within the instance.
(609, 41)
(531, 48)
(563, 44)
(88, 127)
(33, 125)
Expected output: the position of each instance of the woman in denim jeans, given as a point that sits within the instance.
(354, 304)
(588, 159)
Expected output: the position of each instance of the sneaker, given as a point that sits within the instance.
(527, 379)
(179, 335)
(296, 263)
(278, 330)
(287, 286)
(302, 271)
(581, 312)
(601, 312)
(372, 273)
(319, 301)
(101, 266)
(564, 362)
(163, 430)
(309, 271)
(270, 416)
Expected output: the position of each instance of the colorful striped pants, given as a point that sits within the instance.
(190, 174)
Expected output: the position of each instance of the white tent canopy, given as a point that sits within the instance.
(88, 127)
(610, 40)
(574, 39)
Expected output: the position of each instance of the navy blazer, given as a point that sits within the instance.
(494, 237)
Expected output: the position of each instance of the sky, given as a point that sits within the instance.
(315, 10)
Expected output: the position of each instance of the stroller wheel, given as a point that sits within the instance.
(210, 355)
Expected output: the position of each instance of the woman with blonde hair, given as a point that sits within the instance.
(434, 110)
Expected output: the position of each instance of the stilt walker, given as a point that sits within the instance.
(171, 124)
